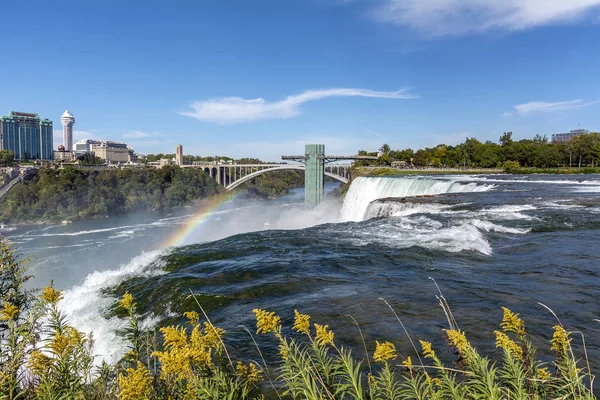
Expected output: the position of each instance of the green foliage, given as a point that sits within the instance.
(7, 158)
(56, 195)
(272, 184)
(538, 152)
(510, 166)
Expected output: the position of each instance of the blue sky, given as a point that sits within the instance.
(253, 78)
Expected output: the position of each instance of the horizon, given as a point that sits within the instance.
(261, 80)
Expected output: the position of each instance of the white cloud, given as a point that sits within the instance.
(236, 109)
(543, 106)
(460, 17)
(139, 134)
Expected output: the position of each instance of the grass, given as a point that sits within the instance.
(43, 357)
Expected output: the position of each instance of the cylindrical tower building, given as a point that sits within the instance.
(68, 120)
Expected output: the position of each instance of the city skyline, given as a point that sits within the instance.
(261, 81)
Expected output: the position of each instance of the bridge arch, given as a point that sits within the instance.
(278, 168)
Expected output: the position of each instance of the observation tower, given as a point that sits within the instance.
(67, 120)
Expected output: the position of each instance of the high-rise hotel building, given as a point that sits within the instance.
(26, 135)
(67, 120)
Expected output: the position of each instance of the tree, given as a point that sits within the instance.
(385, 149)
(7, 158)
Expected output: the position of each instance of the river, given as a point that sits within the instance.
(488, 241)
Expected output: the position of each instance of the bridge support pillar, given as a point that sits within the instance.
(314, 173)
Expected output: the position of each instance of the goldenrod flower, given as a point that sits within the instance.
(284, 351)
(323, 336)
(127, 302)
(266, 321)
(503, 341)
(192, 317)
(254, 373)
(384, 351)
(59, 343)
(560, 340)
(9, 312)
(135, 384)
(543, 374)
(51, 295)
(301, 323)
(458, 339)
(371, 380)
(427, 350)
(408, 363)
(212, 335)
(39, 363)
(512, 323)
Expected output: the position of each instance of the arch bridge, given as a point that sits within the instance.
(233, 175)
(315, 164)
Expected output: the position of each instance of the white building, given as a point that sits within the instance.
(111, 151)
(67, 120)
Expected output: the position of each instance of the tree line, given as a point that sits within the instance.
(539, 152)
(50, 195)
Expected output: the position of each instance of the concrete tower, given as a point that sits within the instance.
(68, 120)
(179, 155)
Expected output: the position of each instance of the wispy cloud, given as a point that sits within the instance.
(545, 107)
(139, 134)
(461, 17)
(236, 109)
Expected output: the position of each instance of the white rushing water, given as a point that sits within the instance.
(365, 190)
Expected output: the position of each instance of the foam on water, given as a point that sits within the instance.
(85, 304)
(405, 232)
(365, 190)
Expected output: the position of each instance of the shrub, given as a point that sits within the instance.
(511, 166)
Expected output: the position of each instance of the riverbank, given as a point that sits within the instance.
(388, 171)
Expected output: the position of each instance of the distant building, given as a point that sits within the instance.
(111, 151)
(67, 120)
(27, 136)
(179, 155)
(567, 137)
(63, 154)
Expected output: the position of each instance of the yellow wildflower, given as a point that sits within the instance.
(254, 373)
(323, 336)
(371, 380)
(60, 343)
(9, 312)
(503, 341)
(266, 321)
(560, 340)
(512, 323)
(543, 374)
(136, 384)
(241, 369)
(51, 295)
(127, 302)
(427, 350)
(175, 336)
(192, 317)
(284, 351)
(458, 339)
(39, 363)
(384, 351)
(212, 335)
(408, 363)
(301, 323)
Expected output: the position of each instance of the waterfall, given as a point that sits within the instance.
(364, 190)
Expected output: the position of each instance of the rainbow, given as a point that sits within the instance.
(200, 215)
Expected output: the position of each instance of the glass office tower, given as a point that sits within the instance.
(27, 136)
